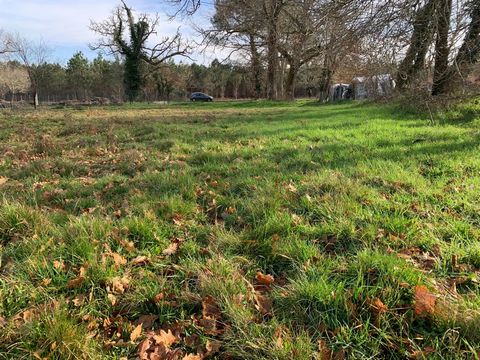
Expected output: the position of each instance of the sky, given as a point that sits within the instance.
(64, 24)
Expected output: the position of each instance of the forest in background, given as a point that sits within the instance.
(276, 49)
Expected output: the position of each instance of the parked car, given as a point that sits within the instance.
(198, 96)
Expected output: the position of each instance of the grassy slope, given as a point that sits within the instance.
(348, 206)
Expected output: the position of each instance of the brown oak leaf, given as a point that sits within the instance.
(424, 301)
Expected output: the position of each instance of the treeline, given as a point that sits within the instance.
(83, 80)
(281, 48)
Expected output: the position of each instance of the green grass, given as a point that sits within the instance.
(343, 204)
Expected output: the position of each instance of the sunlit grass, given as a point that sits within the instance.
(345, 205)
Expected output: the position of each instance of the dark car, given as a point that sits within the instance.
(198, 96)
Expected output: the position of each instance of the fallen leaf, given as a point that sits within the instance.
(166, 338)
(76, 282)
(46, 282)
(128, 245)
(192, 357)
(209, 326)
(119, 285)
(112, 298)
(146, 348)
(136, 333)
(422, 354)
(147, 321)
(59, 265)
(324, 352)
(140, 261)
(262, 279)
(378, 306)
(83, 271)
(210, 308)
(118, 259)
(28, 315)
(78, 301)
(424, 301)
(3, 180)
(263, 303)
(213, 347)
(171, 250)
(193, 341)
(290, 187)
(159, 297)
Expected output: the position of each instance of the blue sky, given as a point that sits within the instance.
(63, 24)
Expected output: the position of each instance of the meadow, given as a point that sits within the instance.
(240, 230)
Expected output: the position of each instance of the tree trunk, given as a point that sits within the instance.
(422, 37)
(35, 99)
(442, 51)
(291, 81)
(272, 64)
(469, 52)
(281, 79)
(272, 13)
(326, 79)
(256, 70)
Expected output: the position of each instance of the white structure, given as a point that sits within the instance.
(365, 87)
(340, 92)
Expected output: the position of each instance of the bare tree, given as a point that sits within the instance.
(237, 27)
(135, 46)
(13, 79)
(32, 56)
(186, 7)
(5, 39)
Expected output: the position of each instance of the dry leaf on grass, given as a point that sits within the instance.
(28, 315)
(292, 188)
(46, 282)
(59, 265)
(210, 308)
(79, 280)
(79, 300)
(157, 346)
(171, 250)
(158, 298)
(424, 301)
(119, 285)
(136, 333)
(378, 306)
(3, 180)
(213, 347)
(147, 321)
(112, 298)
(128, 245)
(166, 338)
(118, 259)
(76, 282)
(265, 280)
(263, 303)
(422, 354)
(140, 261)
(192, 357)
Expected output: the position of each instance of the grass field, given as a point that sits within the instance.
(245, 230)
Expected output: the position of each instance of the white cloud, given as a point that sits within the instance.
(64, 24)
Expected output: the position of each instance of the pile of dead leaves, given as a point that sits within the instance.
(211, 319)
(167, 344)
